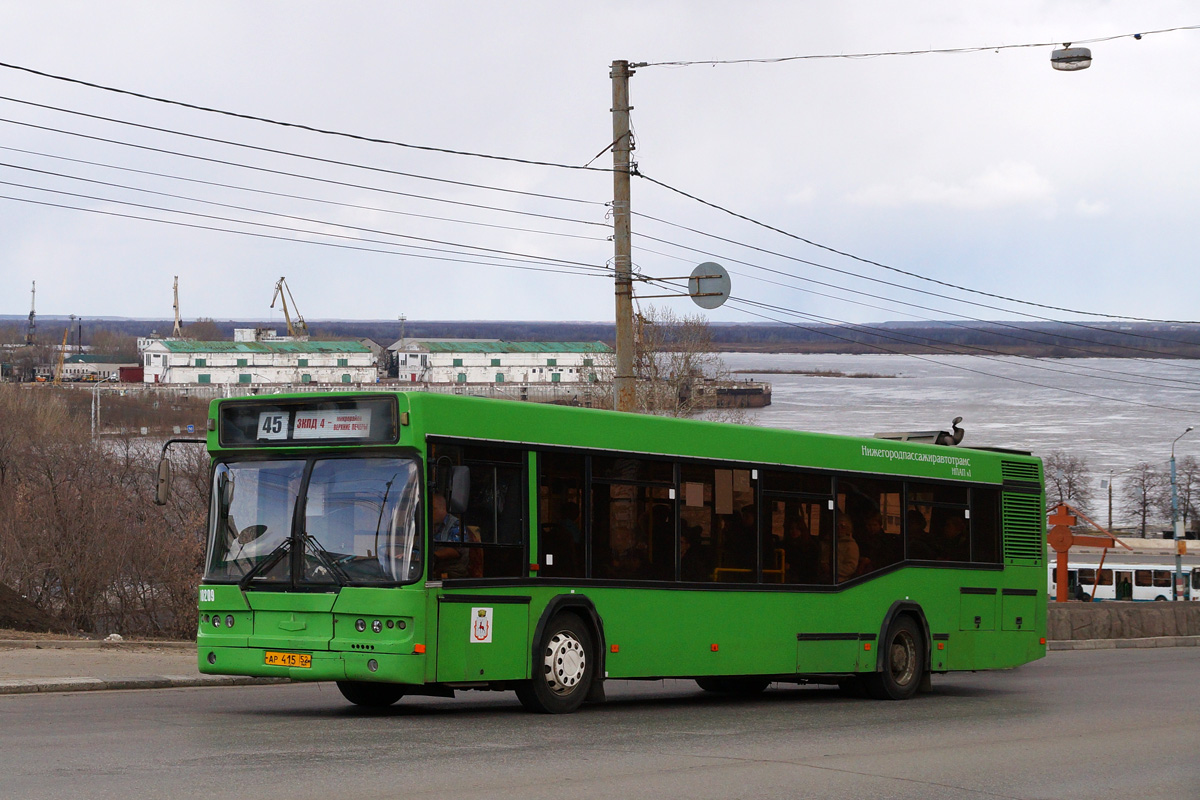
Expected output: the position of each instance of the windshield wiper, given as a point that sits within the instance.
(271, 560)
(339, 575)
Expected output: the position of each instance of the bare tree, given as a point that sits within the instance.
(112, 343)
(80, 536)
(674, 356)
(1068, 479)
(1141, 493)
(204, 330)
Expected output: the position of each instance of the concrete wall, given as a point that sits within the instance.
(1124, 620)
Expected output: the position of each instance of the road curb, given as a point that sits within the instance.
(1124, 644)
(41, 685)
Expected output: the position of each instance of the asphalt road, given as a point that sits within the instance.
(1099, 724)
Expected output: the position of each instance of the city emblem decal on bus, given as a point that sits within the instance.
(481, 625)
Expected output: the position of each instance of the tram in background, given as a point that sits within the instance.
(1124, 581)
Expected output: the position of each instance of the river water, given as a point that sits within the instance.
(1100, 409)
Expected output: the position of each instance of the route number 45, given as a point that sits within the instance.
(272, 425)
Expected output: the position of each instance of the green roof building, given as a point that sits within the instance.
(258, 361)
(475, 361)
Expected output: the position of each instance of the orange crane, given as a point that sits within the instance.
(62, 354)
(282, 293)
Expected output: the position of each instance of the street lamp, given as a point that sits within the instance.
(1112, 473)
(1177, 586)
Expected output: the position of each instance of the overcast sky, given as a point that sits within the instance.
(989, 170)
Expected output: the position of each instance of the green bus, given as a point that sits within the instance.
(405, 543)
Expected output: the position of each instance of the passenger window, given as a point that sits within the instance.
(797, 483)
(1087, 576)
(719, 525)
(491, 538)
(1106, 577)
(561, 543)
(640, 470)
(1162, 578)
(1141, 577)
(803, 531)
(938, 524)
(869, 526)
(633, 532)
(985, 525)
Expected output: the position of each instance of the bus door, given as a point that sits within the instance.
(1124, 584)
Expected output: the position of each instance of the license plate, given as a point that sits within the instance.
(301, 660)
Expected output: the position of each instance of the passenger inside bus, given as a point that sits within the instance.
(847, 549)
(694, 561)
(448, 561)
(955, 546)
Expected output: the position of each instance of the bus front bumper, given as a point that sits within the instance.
(322, 665)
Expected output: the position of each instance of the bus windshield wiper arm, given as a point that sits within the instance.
(271, 560)
(322, 555)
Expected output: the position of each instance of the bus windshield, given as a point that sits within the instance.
(359, 522)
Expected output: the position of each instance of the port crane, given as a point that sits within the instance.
(31, 328)
(282, 293)
(62, 354)
(177, 331)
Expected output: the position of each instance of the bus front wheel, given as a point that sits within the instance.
(903, 662)
(563, 668)
(370, 695)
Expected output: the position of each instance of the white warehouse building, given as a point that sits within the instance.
(490, 361)
(176, 361)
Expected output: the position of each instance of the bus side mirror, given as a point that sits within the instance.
(163, 491)
(460, 489)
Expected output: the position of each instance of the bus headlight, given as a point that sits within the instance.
(376, 626)
(360, 625)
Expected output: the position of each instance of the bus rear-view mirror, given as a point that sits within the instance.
(460, 489)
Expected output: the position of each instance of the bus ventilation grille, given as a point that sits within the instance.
(1017, 471)
(1024, 528)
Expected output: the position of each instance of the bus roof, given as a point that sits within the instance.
(484, 419)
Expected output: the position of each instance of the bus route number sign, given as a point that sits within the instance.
(344, 424)
(273, 425)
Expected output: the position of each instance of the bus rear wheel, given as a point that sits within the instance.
(563, 668)
(903, 662)
(370, 695)
(738, 686)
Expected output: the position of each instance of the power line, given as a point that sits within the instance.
(274, 151)
(273, 194)
(739, 302)
(972, 351)
(883, 282)
(563, 271)
(296, 125)
(297, 175)
(929, 51)
(490, 251)
(959, 325)
(868, 261)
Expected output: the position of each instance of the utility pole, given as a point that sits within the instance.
(624, 391)
(1178, 590)
(31, 328)
(177, 331)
